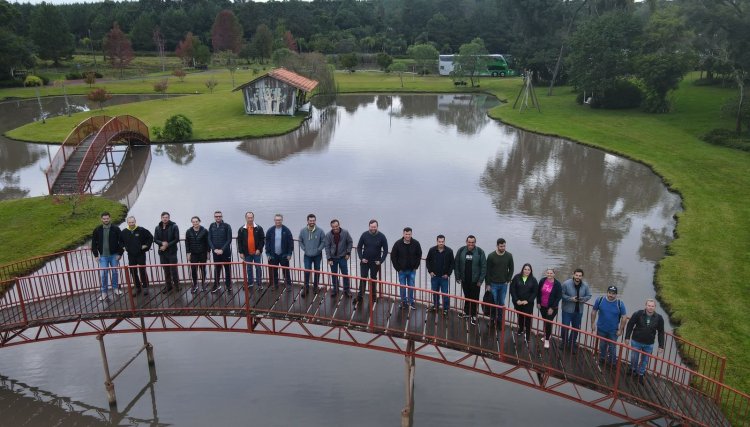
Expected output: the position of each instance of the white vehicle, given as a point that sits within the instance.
(497, 65)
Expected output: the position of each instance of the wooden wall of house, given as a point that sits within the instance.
(270, 96)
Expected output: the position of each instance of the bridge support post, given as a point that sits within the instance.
(109, 386)
(407, 414)
(149, 348)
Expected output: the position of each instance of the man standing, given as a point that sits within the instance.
(644, 327)
(499, 273)
(107, 249)
(406, 255)
(220, 242)
(167, 237)
(137, 241)
(311, 240)
(575, 293)
(610, 324)
(338, 245)
(440, 266)
(372, 250)
(471, 268)
(279, 247)
(250, 241)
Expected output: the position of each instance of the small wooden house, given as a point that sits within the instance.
(279, 92)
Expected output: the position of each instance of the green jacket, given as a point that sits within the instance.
(478, 265)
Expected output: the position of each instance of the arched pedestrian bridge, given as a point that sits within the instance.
(61, 300)
(79, 156)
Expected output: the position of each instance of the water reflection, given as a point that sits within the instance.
(314, 135)
(127, 184)
(582, 201)
(179, 153)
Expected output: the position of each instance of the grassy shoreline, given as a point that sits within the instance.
(700, 282)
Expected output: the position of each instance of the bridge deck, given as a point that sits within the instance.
(67, 181)
(451, 331)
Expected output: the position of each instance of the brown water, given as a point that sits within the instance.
(432, 162)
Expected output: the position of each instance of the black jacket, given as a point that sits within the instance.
(645, 334)
(447, 267)
(554, 297)
(523, 291)
(172, 237)
(406, 257)
(97, 240)
(134, 241)
(372, 247)
(258, 235)
(220, 236)
(196, 242)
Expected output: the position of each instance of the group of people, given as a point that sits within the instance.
(470, 265)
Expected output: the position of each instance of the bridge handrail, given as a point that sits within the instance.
(110, 130)
(68, 146)
(706, 361)
(42, 289)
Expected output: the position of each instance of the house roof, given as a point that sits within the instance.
(286, 76)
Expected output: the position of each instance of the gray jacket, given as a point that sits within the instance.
(569, 292)
(345, 245)
(311, 242)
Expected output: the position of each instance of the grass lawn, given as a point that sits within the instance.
(702, 281)
(43, 225)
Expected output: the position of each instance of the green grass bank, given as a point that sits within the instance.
(43, 225)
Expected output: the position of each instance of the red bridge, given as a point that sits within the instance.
(75, 163)
(60, 300)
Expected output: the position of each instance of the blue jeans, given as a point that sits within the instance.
(607, 350)
(258, 270)
(339, 264)
(574, 320)
(309, 262)
(440, 284)
(499, 291)
(104, 262)
(634, 356)
(406, 277)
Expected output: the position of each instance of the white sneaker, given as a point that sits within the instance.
(118, 291)
(546, 343)
(103, 297)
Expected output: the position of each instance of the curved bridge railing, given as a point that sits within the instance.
(62, 304)
(118, 128)
(69, 145)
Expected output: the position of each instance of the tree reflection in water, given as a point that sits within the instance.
(179, 153)
(582, 201)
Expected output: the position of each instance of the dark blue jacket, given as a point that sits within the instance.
(220, 236)
(554, 297)
(372, 247)
(287, 242)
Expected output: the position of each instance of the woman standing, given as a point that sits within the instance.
(550, 294)
(196, 242)
(523, 291)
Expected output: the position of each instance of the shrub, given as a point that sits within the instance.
(177, 128)
(161, 86)
(180, 74)
(73, 76)
(31, 81)
(624, 94)
(727, 138)
(100, 96)
(90, 78)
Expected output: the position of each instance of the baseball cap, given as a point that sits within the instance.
(612, 289)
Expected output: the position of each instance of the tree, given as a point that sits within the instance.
(117, 47)
(177, 128)
(159, 43)
(50, 33)
(425, 55)
(180, 74)
(281, 56)
(663, 59)
(398, 67)
(211, 84)
(470, 61)
(142, 32)
(89, 77)
(161, 87)
(100, 96)
(602, 53)
(262, 42)
(290, 42)
(226, 33)
(384, 60)
(349, 61)
(228, 59)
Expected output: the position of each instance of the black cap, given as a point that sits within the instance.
(612, 289)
